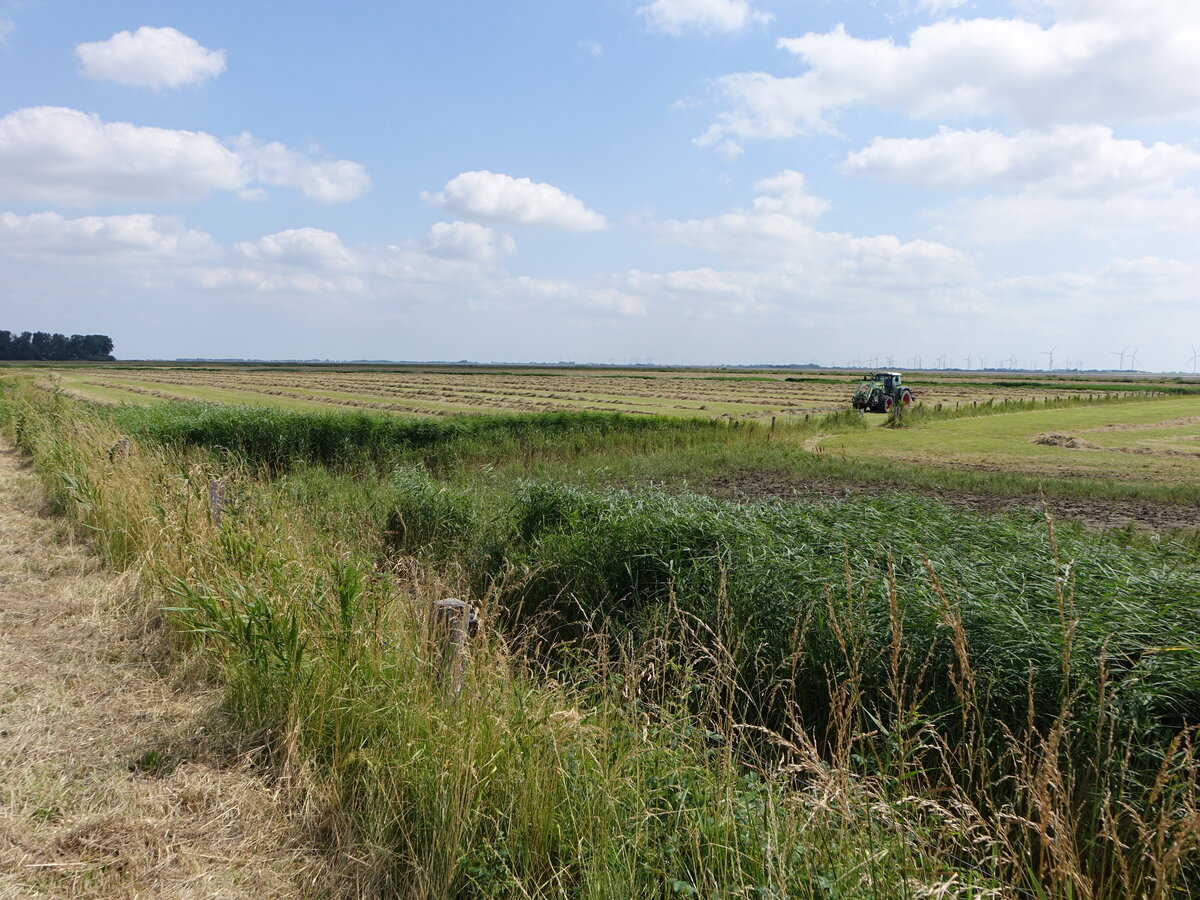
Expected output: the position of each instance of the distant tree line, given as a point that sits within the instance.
(42, 345)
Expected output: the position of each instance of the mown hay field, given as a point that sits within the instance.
(1158, 441)
(457, 390)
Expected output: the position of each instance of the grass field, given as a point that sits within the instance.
(1157, 441)
(457, 391)
(869, 693)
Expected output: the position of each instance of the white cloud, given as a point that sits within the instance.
(1070, 159)
(302, 247)
(778, 234)
(1100, 61)
(592, 48)
(56, 155)
(1160, 293)
(940, 7)
(677, 16)
(150, 57)
(788, 193)
(49, 236)
(467, 240)
(561, 297)
(6, 28)
(516, 201)
(254, 282)
(326, 181)
(1034, 215)
(1072, 179)
(729, 150)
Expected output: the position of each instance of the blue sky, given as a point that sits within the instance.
(676, 181)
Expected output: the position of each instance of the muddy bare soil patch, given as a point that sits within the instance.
(749, 486)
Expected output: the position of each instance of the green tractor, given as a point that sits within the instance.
(882, 392)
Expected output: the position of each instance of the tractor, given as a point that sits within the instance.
(881, 392)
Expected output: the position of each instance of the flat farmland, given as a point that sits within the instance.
(1150, 442)
(442, 391)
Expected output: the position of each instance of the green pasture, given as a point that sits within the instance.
(1006, 442)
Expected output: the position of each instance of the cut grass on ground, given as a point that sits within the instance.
(1005, 443)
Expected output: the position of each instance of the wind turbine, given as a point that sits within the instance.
(1120, 353)
(1195, 355)
(1050, 353)
(1133, 358)
(968, 363)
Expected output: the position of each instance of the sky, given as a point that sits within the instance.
(916, 183)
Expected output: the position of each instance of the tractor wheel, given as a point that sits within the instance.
(887, 404)
(905, 398)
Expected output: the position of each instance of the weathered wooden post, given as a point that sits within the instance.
(216, 501)
(456, 622)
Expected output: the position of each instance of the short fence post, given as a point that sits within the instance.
(216, 501)
(456, 623)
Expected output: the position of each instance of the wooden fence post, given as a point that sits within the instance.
(456, 623)
(216, 501)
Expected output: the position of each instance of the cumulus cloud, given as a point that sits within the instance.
(150, 57)
(1109, 60)
(1070, 159)
(940, 7)
(467, 240)
(326, 181)
(677, 16)
(1073, 179)
(57, 155)
(779, 233)
(301, 247)
(788, 193)
(517, 201)
(110, 238)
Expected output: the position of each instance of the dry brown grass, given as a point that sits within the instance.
(118, 779)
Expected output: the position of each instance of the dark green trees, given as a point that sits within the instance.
(41, 345)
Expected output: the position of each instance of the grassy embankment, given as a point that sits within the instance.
(674, 695)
